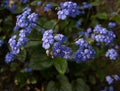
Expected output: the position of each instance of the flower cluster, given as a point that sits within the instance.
(111, 24)
(85, 51)
(112, 54)
(102, 35)
(68, 9)
(6, 4)
(9, 57)
(86, 5)
(60, 50)
(24, 1)
(110, 80)
(47, 7)
(47, 39)
(25, 22)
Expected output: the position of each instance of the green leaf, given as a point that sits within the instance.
(60, 65)
(32, 43)
(95, 3)
(79, 85)
(102, 15)
(116, 18)
(50, 24)
(38, 58)
(13, 66)
(34, 3)
(22, 55)
(61, 84)
(40, 62)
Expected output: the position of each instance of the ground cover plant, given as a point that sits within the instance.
(63, 45)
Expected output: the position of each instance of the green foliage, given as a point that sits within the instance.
(61, 65)
(79, 85)
(61, 84)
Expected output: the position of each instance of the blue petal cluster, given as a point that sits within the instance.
(9, 57)
(24, 1)
(112, 54)
(5, 4)
(102, 35)
(60, 38)
(27, 70)
(68, 9)
(1, 42)
(27, 19)
(47, 39)
(62, 51)
(85, 51)
(111, 24)
(86, 5)
(25, 22)
(109, 79)
(47, 7)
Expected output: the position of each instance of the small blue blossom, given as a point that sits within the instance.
(12, 8)
(116, 77)
(68, 8)
(87, 5)
(60, 38)
(59, 50)
(102, 35)
(33, 17)
(109, 79)
(5, 3)
(24, 1)
(116, 46)
(47, 7)
(27, 70)
(111, 88)
(9, 57)
(112, 54)
(78, 24)
(62, 14)
(1, 42)
(81, 42)
(84, 54)
(39, 3)
(13, 44)
(112, 24)
(47, 39)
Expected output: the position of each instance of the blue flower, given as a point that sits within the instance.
(9, 57)
(112, 54)
(84, 54)
(109, 79)
(102, 35)
(47, 39)
(12, 8)
(111, 88)
(81, 43)
(116, 77)
(68, 8)
(59, 50)
(27, 70)
(87, 5)
(60, 38)
(47, 7)
(111, 24)
(62, 14)
(1, 42)
(13, 44)
(24, 1)
(78, 24)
